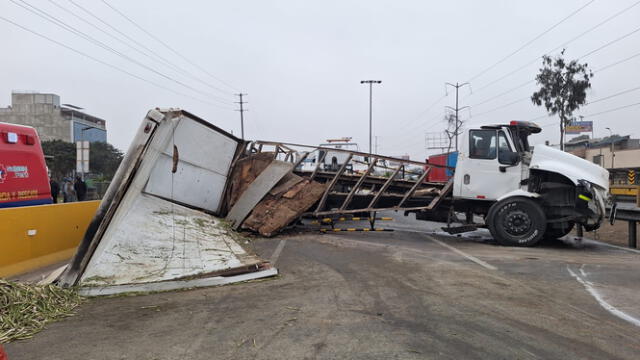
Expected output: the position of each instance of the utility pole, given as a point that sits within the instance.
(370, 82)
(457, 110)
(242, 110)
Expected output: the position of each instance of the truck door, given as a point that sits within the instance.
(485, 172)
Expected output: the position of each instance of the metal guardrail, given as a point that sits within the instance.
(630, 213)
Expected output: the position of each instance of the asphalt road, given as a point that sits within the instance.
(405, 294)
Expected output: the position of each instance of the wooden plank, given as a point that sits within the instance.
(286, 183)
(409, 193)
(358, 184)
(256, 191)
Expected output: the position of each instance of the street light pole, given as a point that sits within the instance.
(370, 82)
(613, 154)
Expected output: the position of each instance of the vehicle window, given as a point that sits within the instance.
(504, 149)
(482, 144)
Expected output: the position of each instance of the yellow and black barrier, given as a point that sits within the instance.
(355, 229)
(355, 218)
(37, 236)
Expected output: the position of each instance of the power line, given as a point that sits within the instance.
(149, 54)
(167, 46)
(611, 110)
(108, 64)
(614, 95)
(520, 100)
(564, 44)
(531, 41)
(583, 56)
(402, 126)
(611, 42)
(502, 106)
(63, 25)
(130, 38)
(617, 62)
(587, 104)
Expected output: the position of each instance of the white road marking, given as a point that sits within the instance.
(277, 251)
(463, 254)
(610, 308)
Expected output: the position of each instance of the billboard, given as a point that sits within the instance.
(577, 127)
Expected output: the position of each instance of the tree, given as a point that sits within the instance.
(104, 159)
(563, 87)
(60, 157)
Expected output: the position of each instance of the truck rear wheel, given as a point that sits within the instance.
(517, 221)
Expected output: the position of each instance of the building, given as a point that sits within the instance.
(52, 120)
(616, 153)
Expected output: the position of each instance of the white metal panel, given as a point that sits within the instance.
(204, 162)
(157, 240)
(202, 146)
(191, 185)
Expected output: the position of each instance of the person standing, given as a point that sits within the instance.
(81, 188)
(55, 190)
(68, 190)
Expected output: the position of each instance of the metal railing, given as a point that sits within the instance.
(359, 182)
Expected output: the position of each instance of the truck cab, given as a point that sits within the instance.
(526, 193)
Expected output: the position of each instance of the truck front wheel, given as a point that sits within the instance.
(517, 221)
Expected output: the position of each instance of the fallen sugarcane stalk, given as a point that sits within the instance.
(25, 309)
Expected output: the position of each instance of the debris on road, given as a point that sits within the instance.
(25, 309)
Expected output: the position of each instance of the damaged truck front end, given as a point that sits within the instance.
(572, 190)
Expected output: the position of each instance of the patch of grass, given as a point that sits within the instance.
(25, 309)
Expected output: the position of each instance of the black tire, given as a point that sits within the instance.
(517, 221)
(558, 230)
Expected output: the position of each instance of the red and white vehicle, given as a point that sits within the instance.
(23, 172)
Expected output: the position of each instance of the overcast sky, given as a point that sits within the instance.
(301, 63)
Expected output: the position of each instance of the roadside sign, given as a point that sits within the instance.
(631, 176)
(577, 127)
(82, 156)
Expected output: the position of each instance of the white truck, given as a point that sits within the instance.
(526, 193)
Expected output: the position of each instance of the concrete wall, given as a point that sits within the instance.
(623, 158)
(49, 123)
(37, 236)
(43, 112)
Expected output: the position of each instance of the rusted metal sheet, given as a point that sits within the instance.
(277, 211)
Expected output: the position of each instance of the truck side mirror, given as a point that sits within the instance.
(509, 157)
(514, 158)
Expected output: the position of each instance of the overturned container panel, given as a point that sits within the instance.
(157, 227)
